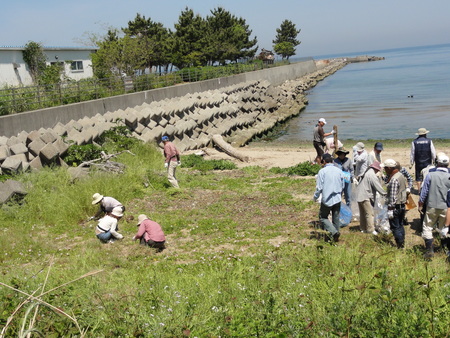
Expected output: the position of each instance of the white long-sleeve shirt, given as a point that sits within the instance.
(109, 223)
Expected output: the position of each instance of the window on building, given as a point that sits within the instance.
(76, 66)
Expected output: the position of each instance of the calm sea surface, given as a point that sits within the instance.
(370, 100)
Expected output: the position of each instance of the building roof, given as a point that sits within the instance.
(49, 48)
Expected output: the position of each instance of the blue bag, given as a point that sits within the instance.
(345, 216)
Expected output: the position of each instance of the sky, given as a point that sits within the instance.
(327, 26)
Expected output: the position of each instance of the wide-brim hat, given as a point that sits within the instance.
(422, 131)
(117, 211)
(360, 146)
(96, 198)
(376, 165)
(389, 163)
(342, 150)
(141, 218)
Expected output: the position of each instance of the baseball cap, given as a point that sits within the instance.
(165, 138)
(322, 120)
(378, 146)
(442, 159)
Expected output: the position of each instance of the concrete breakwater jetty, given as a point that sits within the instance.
(238, 113)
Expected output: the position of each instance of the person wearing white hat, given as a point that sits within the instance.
(150, 233)
(318, 139)
(106, 204)
(422, 154)
(360, 157)
(434, 194)
(107, 227)
(396, 200)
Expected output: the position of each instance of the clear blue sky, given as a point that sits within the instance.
(327, 26)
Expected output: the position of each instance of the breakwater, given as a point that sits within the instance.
(238, 111)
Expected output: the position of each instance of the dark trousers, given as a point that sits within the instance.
(396, 225)
(152, 244)
(334, 226)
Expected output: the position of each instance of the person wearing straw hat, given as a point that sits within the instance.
(318, 139)
(172, 160)
(107, 228)
(150, 233)
(365, 193)
(106, 204)
(346, 165)
(422, 154)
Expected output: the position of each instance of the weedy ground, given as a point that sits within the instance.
(243, 259)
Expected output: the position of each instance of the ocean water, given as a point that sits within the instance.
(370, 100)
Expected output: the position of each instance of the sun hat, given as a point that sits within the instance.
(359, 146)
(141, 218)
(422, 131)
(342, 150)
(117, 211)
(376, 165)
(442, 159)
(389, 163)
(378, 146)
(165, 138)
(322, 120)
(96, 198)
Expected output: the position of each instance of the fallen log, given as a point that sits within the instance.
(220, 142)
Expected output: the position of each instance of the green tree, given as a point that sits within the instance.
(35, 59)
(189, 40)
(228, 37)
(107, 61)
(286, 39)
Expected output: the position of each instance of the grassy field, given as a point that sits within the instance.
(242, 260)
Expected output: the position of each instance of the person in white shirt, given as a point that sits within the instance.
(375, 154)
(360, 157)
(107, 227)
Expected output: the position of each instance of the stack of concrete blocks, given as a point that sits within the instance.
(238, 112)
(11, 190)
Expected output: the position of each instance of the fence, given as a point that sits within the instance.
(20, 99)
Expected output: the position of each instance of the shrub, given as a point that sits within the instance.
(301, 169)
(78, 154)
(199, 163)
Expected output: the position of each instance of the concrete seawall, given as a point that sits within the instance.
(238, 108)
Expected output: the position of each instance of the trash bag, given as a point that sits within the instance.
(380, 212)
(345, 216)
(354, 205)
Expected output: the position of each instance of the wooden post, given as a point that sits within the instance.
(335, 140)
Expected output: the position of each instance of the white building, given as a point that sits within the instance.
(14, 72)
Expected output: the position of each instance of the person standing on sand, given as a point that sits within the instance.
(360, 157)
(396, 200)
(172, 160)
(422, 154)
(329, 184)
(319, 142)
(345, 164)
(375, 154)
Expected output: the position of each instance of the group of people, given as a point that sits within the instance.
(370, 177)
(149, 232)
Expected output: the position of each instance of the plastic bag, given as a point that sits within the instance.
(345, 216)
(354, 205)
(380, 212)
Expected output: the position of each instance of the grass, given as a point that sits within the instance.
(242, 260)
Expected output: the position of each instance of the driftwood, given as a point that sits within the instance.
(105, 164)
(220, 142)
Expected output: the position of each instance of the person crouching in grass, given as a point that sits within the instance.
(106, 229)
(150, 233)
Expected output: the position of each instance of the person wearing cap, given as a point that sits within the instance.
(434, 192)
(360, 158)
(172, 160)
(150, 233)
(375, 154)
(106, 204)
(422, 154)
(396, 200)
(365, 193)
(318, 141)
(346, 165)
(329, 184)
(107, 228)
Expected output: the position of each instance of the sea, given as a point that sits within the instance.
(380, 100)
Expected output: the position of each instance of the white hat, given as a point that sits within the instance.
(442, 159)
(422, 131)
(389, 163)
(322, 120)
(141, 218)
(96, 198)
(359, 146)
(117, 211)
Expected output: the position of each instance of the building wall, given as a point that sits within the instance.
(14, 72)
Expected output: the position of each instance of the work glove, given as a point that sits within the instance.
(444, 232)
(408, 190)
(391, 214)
(355, 181)
(91, 218)
(166, 165)
(179, 162)
(332, 132)
(134, 238)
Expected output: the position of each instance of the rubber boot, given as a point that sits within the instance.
(429, 251)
